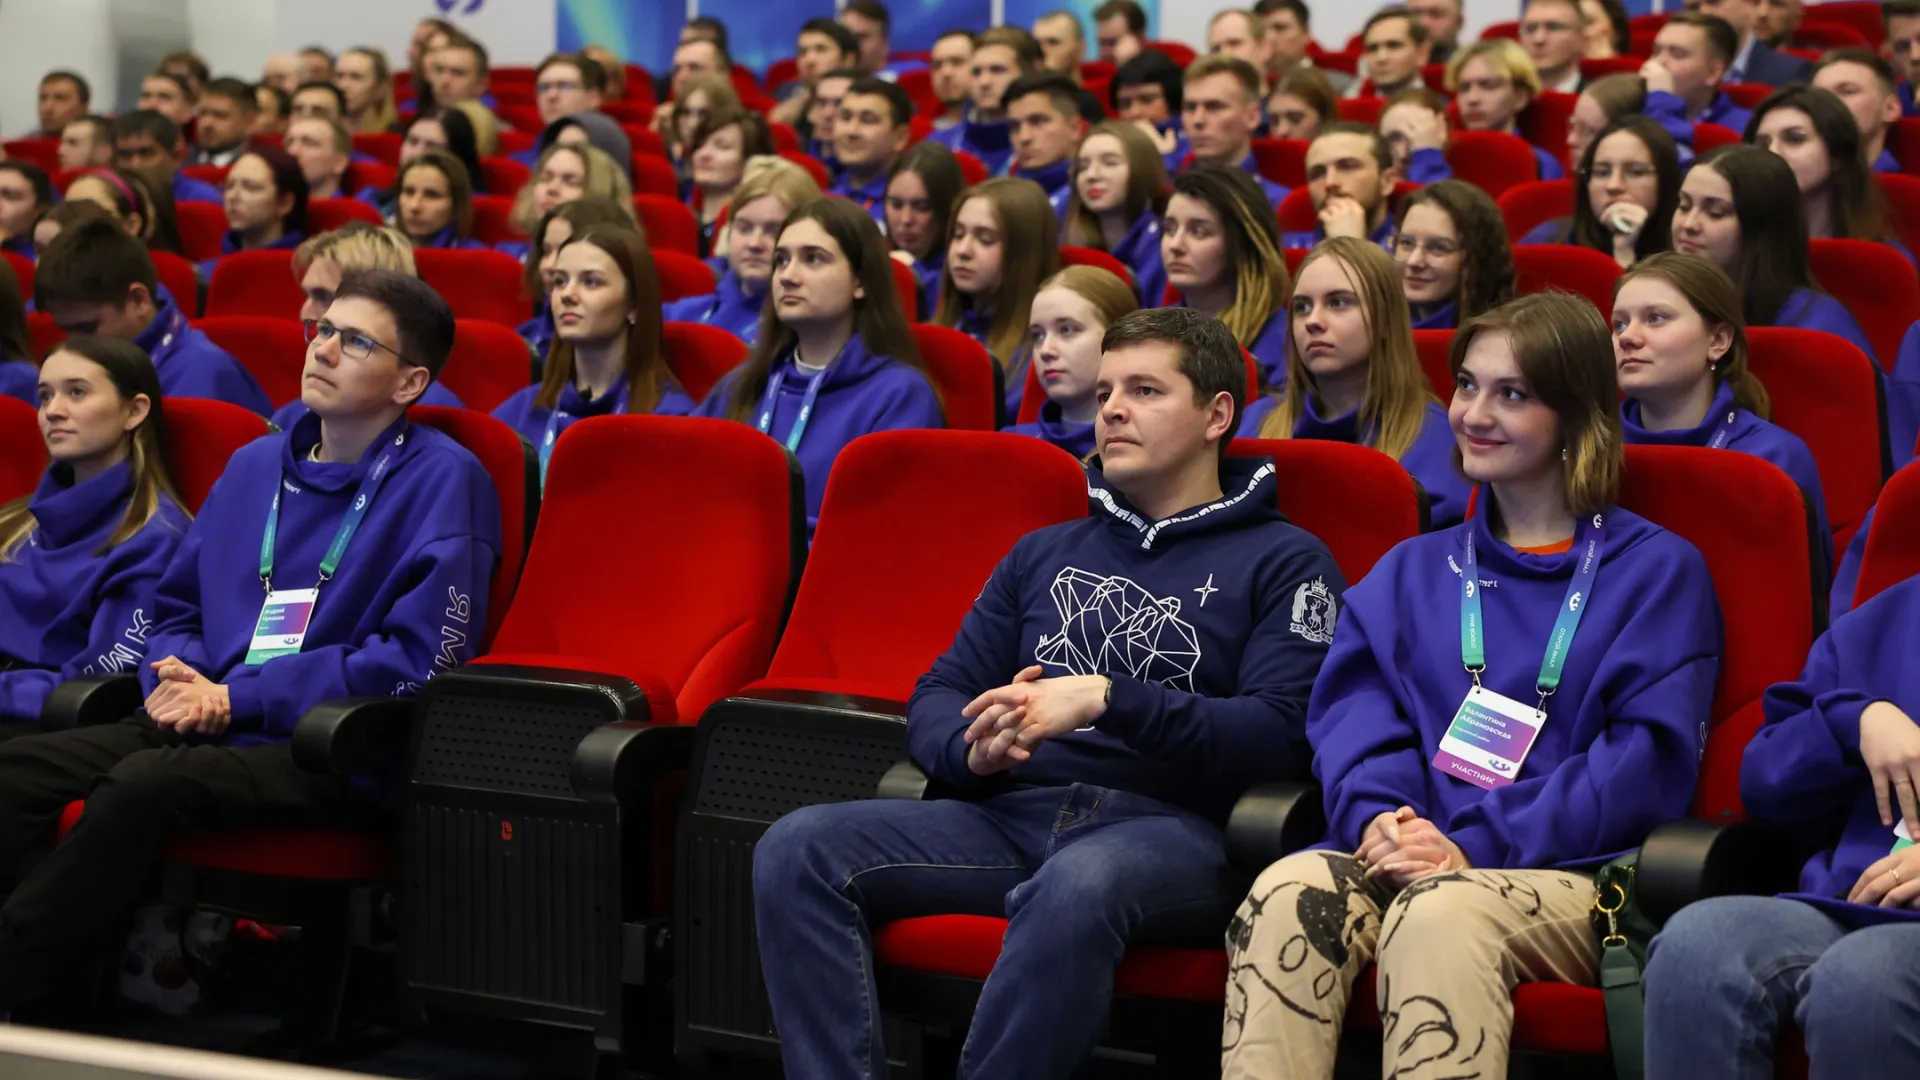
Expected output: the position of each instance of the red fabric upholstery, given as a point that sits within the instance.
(23, 453)
(503, 175)
(962, 371)
(700, 355)
(178, 275)
(1893, 544)
(1492, 160)
(1591, 69)
(1708, 136)
(784, 136)
(42, 152)
(1747, 95)
(42, 333)
(379, 145)
(273, 350)
(1548, 1018)
(1862, 15)
(1544, 123)
(682, 275)
(669, 223)
(710, 499)
(1903, 204)
(513, 142)
(201, 436)
(781, 72)
(1903, 141)
(890, 511)
(202, 227)
(211, 174)
(1360, 110)
(967, 946)
(1071, 255)
(255, 283)
(810, 163)
(1876, 283)
(503, 454)
(919, 87)
(493, 219)
(972, 169)
(1565, 268)
(906, 284)
(1319, 482)
(520, 114)
(477, 284)
(489, 364)
(643, 138)
(365, 174)
(653, 175)
(22, 269)
(1436, 355)
(1283, 161)
(1825, 391)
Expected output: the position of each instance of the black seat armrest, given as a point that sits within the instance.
(344, 736)
(1685, 861)
(621, 760)
(90, 701)
(1272, 821)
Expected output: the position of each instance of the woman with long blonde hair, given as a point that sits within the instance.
(1003, 242)
(365, 81)
(1220, 243)
(1353, 375)
(1071, 313)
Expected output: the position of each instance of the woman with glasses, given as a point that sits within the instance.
(1629, 182)
(1450, 244)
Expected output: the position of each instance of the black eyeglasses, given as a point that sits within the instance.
(356, 345)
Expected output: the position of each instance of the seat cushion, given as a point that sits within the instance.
(967, 946)
(306, 854)
(1548, 1018)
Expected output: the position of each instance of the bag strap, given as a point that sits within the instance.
(1626, 1009)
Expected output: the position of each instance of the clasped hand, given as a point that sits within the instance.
(1400, 847)
(187, 701)
(1011, 722)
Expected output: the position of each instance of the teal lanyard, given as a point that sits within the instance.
(350, 524)
(767, 406)
(1473, 645)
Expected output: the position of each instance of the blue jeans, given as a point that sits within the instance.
(1727, 976)
(1080, 872)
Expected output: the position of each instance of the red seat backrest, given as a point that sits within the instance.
(23, 452)
(1893, 544)
(503, 175)
(1544, 123)
(1903, 203)
(1436, 360)
(810, 163)
(972, 169)
(697, 615)
(1747, 95)
(43, 334)
(516, 479)
(201, 436)
(1827, 392)
(1072, 255)
(701, 355)
(1526, 207)
(202, 227)
(784, 137)
(520, 116)
(869, 618)
(645, 140)
(963, 372)
(1709, 136)
(1864, 16)
(1283, 161)
(512, 142)
(1357, 500)
(272, 349)
(1581, 271)
(212, 174)
(326, 215)
(1360, 110)
(681, 275)
(476, 284)
(781, 72)
(907, 284)
(919, 87)
(22, 268)
(1509, 29)
(1719, 502)
(255, 283)
(379, 145)
(178, 275)
(1601, 67)
(367, 174)
(489, 364)
(1492, 160)
(1874, 282)
(493, 219)
(42, 152)
(669, 223)
(653, 175)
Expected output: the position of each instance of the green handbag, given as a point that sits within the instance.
(1624, 933)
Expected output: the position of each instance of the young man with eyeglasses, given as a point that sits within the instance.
(348, 557)
(95, 278)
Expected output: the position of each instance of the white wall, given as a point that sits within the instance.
(1333, 23)
(514, 31)
(106, 41)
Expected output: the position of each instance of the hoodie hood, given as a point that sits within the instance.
(1249, 497)
(603, 133)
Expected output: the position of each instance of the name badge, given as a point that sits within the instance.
(283, 624)
(1902, 839)
(1489, 739)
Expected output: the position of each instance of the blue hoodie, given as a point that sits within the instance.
(1303, 240)
(1056, 180)
(930, 272)
(69, 609)
(1182, 146)
(537, 332)
(1671, 113)
(191, 365)
(872, 198)
(1429, 460)
(992, 142)
(20, 379)
(1803, 771)
(437, 394)
(187, 189)
(1811, 310)
(1750, 435)
(860, 394)
(1444, 317)
(408, 601)
(22, 245)
(521, 413)
(1621, 747)
(1846, 576)
(1139, 251)
(1903, 398)
(1212, 625)
(446, 240)
(1053, 426)
(1269, 346)
(727, 307)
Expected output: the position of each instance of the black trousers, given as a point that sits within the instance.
(144, 786)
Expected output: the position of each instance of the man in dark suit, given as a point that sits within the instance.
(1757, 62)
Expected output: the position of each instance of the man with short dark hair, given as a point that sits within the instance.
(188, 65)
(1120, 30)
(1221, 112)
(1755, 61)
(567, 83)
(324, 149)
(1554, 34)
(1350, 174)
(818, 134)
(228, 110)
(1000, 56)
(318, 100)
(149, 143)
(1289, 32)
(1901, 21)
(169, 95)
(1119, 682)
(64, 97)
(1148, 92)
(872, 26)
(822, 45)
(1396, 47)
(1684, 75)
(96, 279)
(871, 130)
(459, 72)
(348, 557)
(1776, 21)
(704, 28)
(951, 65)
(1044, 111)
(1865, 84)
(1063, 44)
(87, 143)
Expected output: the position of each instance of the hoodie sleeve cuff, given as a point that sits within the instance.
(1843, 722)
(1128, 708)
(243, 700)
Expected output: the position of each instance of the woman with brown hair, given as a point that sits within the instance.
(435, 207)
(1071, 313)
(836, 359)
(555, 228)
(367, 85)
(610, 353)
(1119, 190)
(1450, 243)
(1299, 102)
(19, 375)
(1004, 242)
(717, 157)
(1220, 243)
(81, 558)
(1353, 375)
(921, 191)
(773, 189)
(1481, 745)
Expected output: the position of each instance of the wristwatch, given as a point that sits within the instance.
(1107, 698)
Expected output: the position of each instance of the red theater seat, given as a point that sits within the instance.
(42, 152)
(503, 175)
(489, 364)
(1071, 255)
(1874, 282)
(211, 174)
(682, 275)
(1903, 205)
(202, 227)
(22, 269)
(1283, 161)
(23, 452)
(1893, 544)
(1492, 160)
(784, 137)
(476, 284)
(493, 219)
(700, 356)
(1436, 360)
(1709, 136)
(653, 175)
(383, 146)
(966, 375)
(1827, 392)
(255, 283)
(1583, 272)
(669, 224)
(972, 169)
(272, 349)
(1360, 110)
(201, 436)
(180, 280)
(907, 284)
(326, 215)
(810, 163)
(43, 334)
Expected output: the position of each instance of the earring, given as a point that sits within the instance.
(1563, 453)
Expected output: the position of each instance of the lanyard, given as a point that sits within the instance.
(164, 348)
(350, 524)
(1725, 431)
(619, 398)
(1473, 646)
(806, 407)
